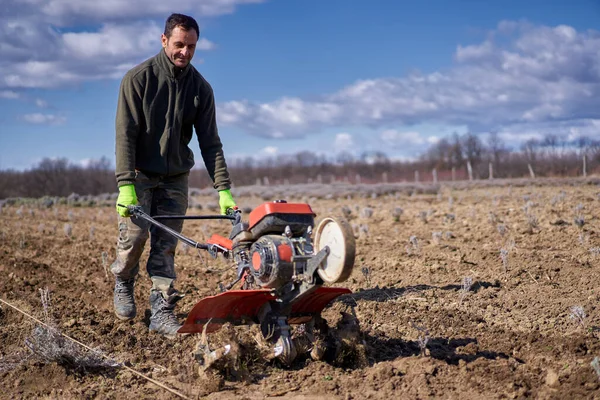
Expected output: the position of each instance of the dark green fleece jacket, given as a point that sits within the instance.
(159, 106)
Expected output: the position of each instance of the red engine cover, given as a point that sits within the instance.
(266, 209)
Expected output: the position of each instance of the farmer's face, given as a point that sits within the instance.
(180, 46)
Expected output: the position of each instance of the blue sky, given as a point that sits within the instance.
(320, 75)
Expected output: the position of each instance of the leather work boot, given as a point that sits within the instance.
(162, 318)
(123, 298)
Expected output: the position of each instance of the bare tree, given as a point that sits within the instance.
(583, 144)
(472, 148)
(594, 150)
(439, 154)
(496, 148)
(307, 159)
(530, 148)
(345, 158)
(456, 151)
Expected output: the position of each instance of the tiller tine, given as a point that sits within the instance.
(238, 307)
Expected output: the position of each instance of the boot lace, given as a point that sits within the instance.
(124, 289)
(166, 317)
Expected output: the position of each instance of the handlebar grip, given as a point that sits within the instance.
(130, 207)
(235, 212)
(232, 210)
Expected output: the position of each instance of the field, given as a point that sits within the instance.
(463, 291)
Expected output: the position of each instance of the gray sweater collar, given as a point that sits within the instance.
(167, 65)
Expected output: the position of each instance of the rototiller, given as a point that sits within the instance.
(281, 272)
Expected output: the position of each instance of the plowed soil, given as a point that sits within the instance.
(530, 253)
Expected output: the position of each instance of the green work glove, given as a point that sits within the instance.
(127, 197)
(225, 201)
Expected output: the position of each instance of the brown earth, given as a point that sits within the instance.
(511, 335)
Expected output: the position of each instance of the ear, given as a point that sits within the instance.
(164, 40)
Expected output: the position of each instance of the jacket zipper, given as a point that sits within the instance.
(172, 98)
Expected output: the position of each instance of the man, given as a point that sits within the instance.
(161, 102)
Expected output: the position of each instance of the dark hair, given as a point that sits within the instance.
(185, 22)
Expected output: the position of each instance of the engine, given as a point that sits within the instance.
(271, 260)
(275, 245)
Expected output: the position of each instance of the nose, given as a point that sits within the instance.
(185, 52)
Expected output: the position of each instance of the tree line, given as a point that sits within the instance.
(457, 157)
(554, 155)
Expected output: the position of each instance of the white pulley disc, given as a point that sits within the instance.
(338, 235)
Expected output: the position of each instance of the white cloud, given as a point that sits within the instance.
(9, 94)
(42, 45)
(14, 95)
(571, 129)
(287, 117)
(269, 151)
(433, 139)
(106, 53)
(124, 42)
(343, 142)
(41, 103)
(521, 76)
(64, 12)
(85, 163)
(483, 51)
(43, 119)
(397, 139)
(205, 44)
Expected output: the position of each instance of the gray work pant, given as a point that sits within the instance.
(157, 196)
